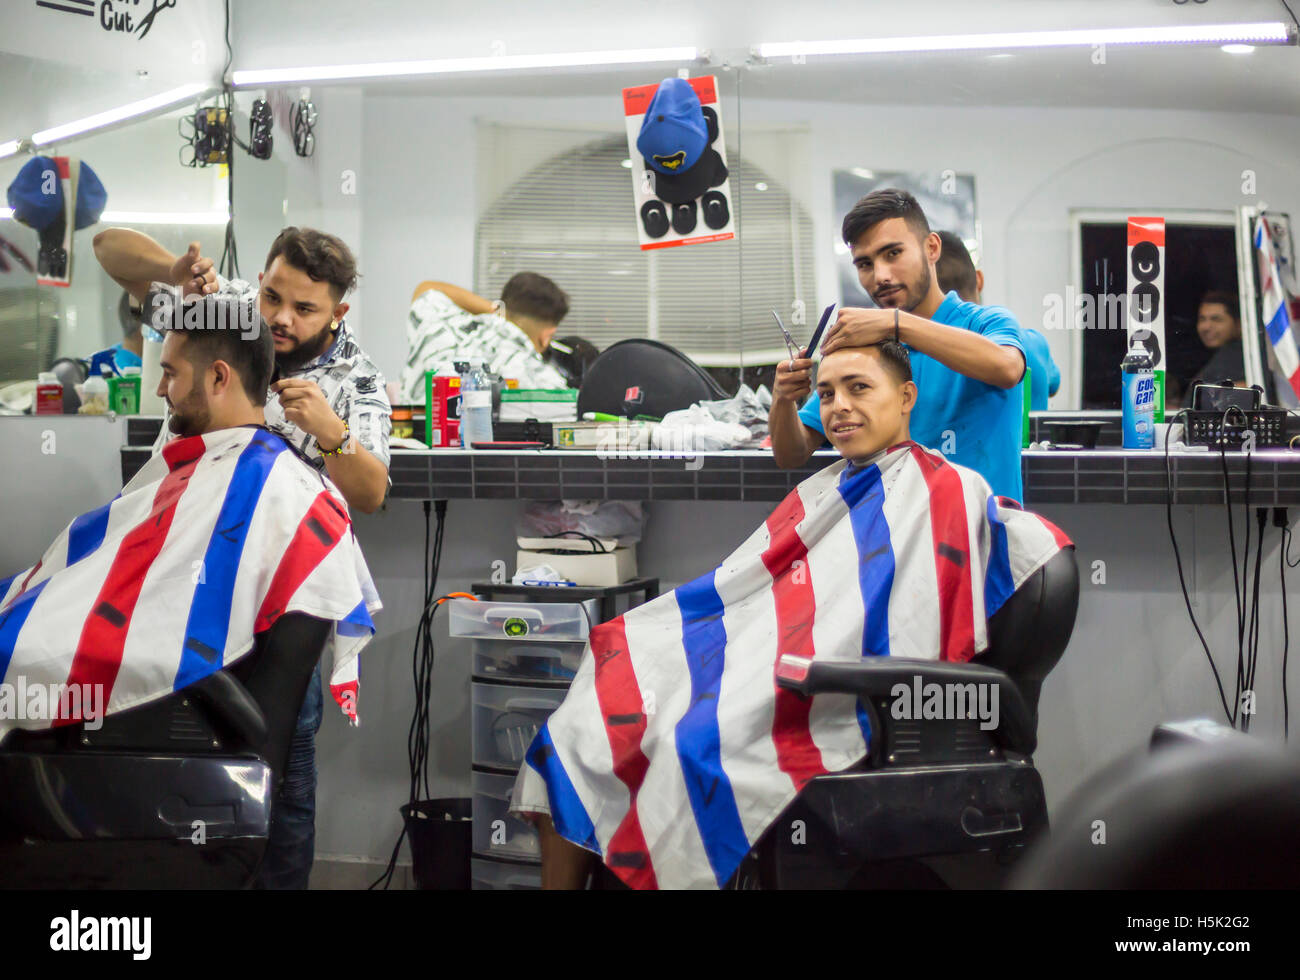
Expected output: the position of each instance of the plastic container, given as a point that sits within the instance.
(545, 622)
(527, 662)
(94, 394)
(475, 406)
(505, 718)
(124, 392)
(496, 833)
(439, 832)
(49, 394)
(489, 875)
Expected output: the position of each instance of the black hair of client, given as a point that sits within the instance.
(955, 268)
(324, 257)
(227, 327)
(881, 205)
(1226, 300)
(894, 357)
(532, 295)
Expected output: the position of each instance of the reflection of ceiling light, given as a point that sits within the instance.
(760, 186)
(8, 149)
(444, 66)
(101, 119)
(864, 174)
(620, 272)
(1269, 32)
(164, 217)
(1000, 55)
(1238, 48)
(625, 164)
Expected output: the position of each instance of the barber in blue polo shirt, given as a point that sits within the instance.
(967, 360)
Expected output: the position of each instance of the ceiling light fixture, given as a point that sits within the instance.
(1265, 32)
(164, 100)
(406, 69)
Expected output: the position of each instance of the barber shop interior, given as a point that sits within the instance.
(732, 446)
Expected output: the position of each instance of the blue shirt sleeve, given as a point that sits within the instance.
(1000, 325)
(811, 413)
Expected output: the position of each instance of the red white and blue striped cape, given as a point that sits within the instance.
(1273, 300)
(674, 748)
(214, 539)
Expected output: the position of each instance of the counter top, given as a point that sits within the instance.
(1097, 476)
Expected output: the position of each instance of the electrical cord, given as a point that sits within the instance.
(422, 664)
(1286, 634)
(1182, 579)
(228, 265)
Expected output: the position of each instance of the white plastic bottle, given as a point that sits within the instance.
(475, 406)
(94, 393)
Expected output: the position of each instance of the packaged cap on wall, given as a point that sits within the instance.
(36, 208)
(673, 132)
(676, 139)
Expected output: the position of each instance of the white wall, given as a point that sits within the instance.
(419, 195)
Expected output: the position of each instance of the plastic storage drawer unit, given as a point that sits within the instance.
(541, 622)
(527, 662)
(504, 876)
(505, 719)
(496, 833)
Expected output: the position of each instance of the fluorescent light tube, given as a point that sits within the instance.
(164, 217)
(1270, 32)
(101, 119)
(8, 149)
(397, 69)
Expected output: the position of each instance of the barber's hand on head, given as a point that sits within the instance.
(194, 273)
(305, 406)
(858, 327)
(793, 380)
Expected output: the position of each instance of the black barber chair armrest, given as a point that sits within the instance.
(232, 705)
(873, 679)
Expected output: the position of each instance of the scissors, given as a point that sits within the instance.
(147, 22)
(789, 341)
(817, 334)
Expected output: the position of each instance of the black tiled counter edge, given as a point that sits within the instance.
(1103, 476)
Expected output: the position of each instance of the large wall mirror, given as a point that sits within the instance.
(470, 178)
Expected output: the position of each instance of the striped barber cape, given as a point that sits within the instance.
(674, 748)
(212, 541)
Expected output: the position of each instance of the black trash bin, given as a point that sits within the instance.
(439, 832)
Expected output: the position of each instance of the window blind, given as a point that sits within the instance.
(559, 202)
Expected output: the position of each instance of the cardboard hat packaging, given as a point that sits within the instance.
(584, 568)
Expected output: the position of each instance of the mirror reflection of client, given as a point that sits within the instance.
(127, 352)
(674, 748)
(1219, 328)
(508, 336)
(956, 273)
(968, 360)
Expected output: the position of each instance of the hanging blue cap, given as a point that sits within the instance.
(36, 194)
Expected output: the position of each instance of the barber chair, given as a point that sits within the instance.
(176, 793)
(644, 377)
(70, 372)
(1205, 808)
(936, 803)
